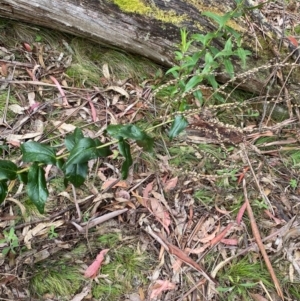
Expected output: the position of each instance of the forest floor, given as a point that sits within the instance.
(209, 215)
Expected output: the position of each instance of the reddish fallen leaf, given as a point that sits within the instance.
(110, 181)
(293, 41)
(3, 69)
(242, 175)
(92, 270)
(160, 286)
(257, 297)
(27, 47)
(93, 110)
(171, 184)
(229, 241)
(221, 235)
(61, 91)
(241, 213)
(275, 219)
(160, 213)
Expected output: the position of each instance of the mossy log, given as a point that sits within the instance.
(146, 27)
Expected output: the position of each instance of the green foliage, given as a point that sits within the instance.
(189, 73)
(73, 164)
(11, 240)
(58, 279)
(240, 277)
(125, 269)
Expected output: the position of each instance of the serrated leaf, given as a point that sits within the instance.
(37, 152)
(8, 170)
(130, 131)
(124, 148)
(85, 150)
(3, 191)
(73, 138)
(178, 125)
(77, 173)
(37, 187)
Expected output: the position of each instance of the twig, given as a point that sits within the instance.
(260, 244)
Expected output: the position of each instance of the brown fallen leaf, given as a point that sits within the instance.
(160, 286)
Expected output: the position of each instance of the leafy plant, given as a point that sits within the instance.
(11, 240)
(51, 233)
(73, 164)
(293, 183)
(189, 73)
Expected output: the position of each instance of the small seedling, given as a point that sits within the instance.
(293, 183)
(11, 239)
(52, 234)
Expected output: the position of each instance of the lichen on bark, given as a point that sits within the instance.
(143, 8)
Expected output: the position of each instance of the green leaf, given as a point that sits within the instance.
(73, 138)
(36, 187)
(23, 177)
(178, 125)
(193, 82)
(212, 81)
(124, 148)
(77, 173)
(228, 45)
(37, 152)
(3, 191)
(130, 131)
(229, 67)
(8, 170)
(221, 20)
(242, 54)
(173, 69)
(213, 16)
(85, 150)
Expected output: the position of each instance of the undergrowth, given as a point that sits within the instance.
(214, 168)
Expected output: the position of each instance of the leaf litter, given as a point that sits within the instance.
(195, 228)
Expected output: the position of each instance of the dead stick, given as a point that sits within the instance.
(260, 244)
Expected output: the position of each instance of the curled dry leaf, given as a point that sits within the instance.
(118, 89)
(171, 184)
(160, 286)
(92, 270)
(160, 213)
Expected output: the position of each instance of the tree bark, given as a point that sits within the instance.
(146, 27)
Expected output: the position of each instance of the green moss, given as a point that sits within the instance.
(58, 279)
(126, 269)
(139, 7)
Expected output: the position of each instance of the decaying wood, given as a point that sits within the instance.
(151, 28)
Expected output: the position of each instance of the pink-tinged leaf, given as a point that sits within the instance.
(146, 191)
(293, 41)
(110, 181)
(30, 73)
(270, 215)
(160, 286)
(160, 213)
(61, 91)
(34, 106)
(198, 250)
(92, 270)
(93, 110)
(210, 237)
(221, 235)
(229, 241)
(27, 47)
(171, 184)
(241, 213)
(257, 297)
(225, 212)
